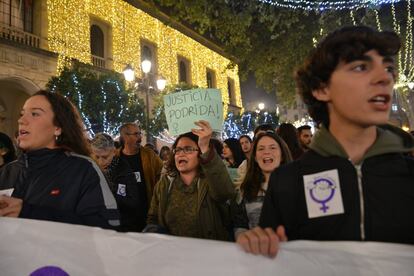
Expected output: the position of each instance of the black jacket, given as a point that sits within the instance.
(129, 198)
(377, 195)
(61, 186)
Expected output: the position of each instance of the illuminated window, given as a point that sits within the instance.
(211, 79)
(97, 41)
(101, 43)
(184, 74)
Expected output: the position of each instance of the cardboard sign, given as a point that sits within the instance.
(234, 174)
(184, 108)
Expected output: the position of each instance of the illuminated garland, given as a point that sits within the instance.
(327, 5)
(68, 35)
(405, 79)
(405, 56)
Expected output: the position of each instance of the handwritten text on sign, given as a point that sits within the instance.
(182, 109)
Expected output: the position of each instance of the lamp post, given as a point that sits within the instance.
(146, 68)
(129, 75)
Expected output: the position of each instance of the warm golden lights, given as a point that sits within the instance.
(69, 23)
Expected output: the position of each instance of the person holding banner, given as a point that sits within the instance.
(54, 179)
(355, 183)
(269, 152)
(191, 200)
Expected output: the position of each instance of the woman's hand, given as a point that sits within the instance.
(10, 206)
(204, 133)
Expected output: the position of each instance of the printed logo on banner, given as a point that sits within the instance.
(323, 194)
(121, 190)
(138, 176)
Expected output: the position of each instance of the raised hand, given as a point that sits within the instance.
(204, 133)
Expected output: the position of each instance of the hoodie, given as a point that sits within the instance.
(372, 201)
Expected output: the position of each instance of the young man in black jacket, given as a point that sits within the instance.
(355, 183)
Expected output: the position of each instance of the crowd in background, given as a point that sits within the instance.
(132, 172)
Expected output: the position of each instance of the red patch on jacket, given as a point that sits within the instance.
(55, 192)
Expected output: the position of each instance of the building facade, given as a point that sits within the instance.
(39, 37)
(293, 113)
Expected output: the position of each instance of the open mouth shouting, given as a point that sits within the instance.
(381, 102)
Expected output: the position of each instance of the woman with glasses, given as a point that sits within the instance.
(190, 200)
(268, 153)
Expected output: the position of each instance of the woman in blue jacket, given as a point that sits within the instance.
(54, 179)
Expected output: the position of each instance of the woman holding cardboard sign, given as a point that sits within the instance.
(191, 199)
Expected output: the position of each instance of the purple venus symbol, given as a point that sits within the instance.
(322, 201)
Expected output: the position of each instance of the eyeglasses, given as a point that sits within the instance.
(186, 150)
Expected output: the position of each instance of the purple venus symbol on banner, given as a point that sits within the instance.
(49, 271)
(318, 186)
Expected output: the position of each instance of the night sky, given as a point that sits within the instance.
(252, 95)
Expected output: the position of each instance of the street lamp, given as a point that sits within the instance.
(129, 75)
(146, 68)
(161, 83)
(261, 106)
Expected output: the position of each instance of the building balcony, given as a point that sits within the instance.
(99, 62)
(19, 36)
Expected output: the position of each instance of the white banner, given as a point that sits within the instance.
(27, 245)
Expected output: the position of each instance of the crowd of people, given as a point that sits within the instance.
(352, 181)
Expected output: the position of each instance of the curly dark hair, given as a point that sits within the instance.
(254, 176)
(67, 117)
(346, 44)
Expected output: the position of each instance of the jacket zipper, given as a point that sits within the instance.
(26, 160)
(361, 201)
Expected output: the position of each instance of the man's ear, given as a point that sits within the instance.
(322, 94)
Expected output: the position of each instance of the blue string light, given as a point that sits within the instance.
(327, 5)
(80, 100)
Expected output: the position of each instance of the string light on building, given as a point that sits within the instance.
(69, 36)
(327, 5)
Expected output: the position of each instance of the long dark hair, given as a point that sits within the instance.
(6, 142)
(289, 134)
(67, 117)
(236, 150)
(254, 176)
